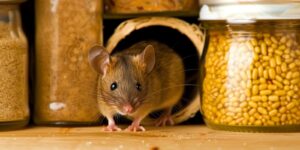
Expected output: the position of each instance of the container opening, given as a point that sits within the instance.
(182, 45)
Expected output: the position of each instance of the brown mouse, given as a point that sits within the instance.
(146, 77)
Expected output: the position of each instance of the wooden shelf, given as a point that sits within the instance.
(177, 137)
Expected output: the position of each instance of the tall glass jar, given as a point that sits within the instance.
(14, 111)
(65, 89)
(143, 6)
(251, 70)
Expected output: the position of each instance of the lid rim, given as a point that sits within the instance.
(257, 19)
(250, 12)
(220, 2)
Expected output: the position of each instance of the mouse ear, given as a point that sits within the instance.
(148, 58)
(99, 59)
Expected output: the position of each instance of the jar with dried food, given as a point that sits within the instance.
(143, 6)
(14, 111)
(251, 77)
(65, 92)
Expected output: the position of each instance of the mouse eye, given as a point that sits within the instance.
(113, 86)
(138, 86)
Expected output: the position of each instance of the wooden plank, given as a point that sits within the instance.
(177, 137)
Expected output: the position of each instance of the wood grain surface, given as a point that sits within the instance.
(178, 137)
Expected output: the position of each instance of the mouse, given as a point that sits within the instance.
(146, 77)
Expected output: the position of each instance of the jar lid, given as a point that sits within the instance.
(244, 11)
(218, 2)
(11, 1)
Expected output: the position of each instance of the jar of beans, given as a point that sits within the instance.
(251, 70)
(14, 110)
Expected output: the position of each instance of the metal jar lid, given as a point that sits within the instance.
(249, 10)
(219, 2)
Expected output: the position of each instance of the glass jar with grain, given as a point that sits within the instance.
(65, 88)
(251, 70)
(148, 6)
(14, 111)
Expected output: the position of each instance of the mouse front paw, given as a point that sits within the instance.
(165, 119)
(112, 128)
(135, 128)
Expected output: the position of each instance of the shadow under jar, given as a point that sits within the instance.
(14, 109)
(251, 70)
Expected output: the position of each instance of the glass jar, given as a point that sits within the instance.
(251, 70)
(14, 111)
(65, 89)
(142, 6)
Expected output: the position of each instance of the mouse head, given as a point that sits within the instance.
(123, 78)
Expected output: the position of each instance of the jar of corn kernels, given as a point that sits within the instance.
(251, 70)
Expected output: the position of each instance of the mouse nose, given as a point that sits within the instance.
(127, 108)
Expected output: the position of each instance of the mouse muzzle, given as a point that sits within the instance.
(127, 109)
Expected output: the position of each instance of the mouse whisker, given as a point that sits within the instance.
(189, 56)
(167, 88)
(101, 95)
(179, 105)
(187, 70)
(145, 102)
(114, 100)
(104, 98)
(165, 62)
(96, 94)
